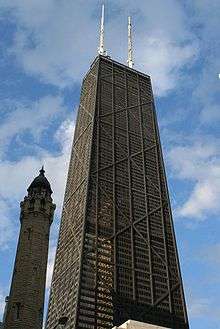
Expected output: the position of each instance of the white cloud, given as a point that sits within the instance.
(52, 36)
(164, 60)
(199, 307)
(205, 19)
(15, 177)
(210, 113)
(2, 302)
(211, 254)
(200, 164)
(207, 91)
(50, 264)
(204, 200)
(57, 42)
(28, 116)
(6, 225)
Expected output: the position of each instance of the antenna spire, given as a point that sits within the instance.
(130, 45)
(101, 49)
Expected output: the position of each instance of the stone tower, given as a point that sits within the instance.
(26, 299)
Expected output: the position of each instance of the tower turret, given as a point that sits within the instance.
(26, 299)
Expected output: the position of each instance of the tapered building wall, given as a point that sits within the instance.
(116, 257)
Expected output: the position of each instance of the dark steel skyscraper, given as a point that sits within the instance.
(116, 256)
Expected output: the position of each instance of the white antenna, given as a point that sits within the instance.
(130, 46)
(101, 49)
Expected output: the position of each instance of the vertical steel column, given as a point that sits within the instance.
(87, 194)
(97, 122)
(130, 190)
(114, 180)
(146, 196)
(162, 216)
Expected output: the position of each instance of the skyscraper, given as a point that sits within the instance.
(116, 256)
(25, 304)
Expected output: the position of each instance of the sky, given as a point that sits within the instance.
(46, 47)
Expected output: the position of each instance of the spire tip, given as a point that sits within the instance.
(42, 171)
(101, 49)
(130, 44)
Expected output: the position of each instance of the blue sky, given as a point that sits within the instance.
(46, 47)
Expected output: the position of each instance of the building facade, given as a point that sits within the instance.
(25, 304)
(116, 257)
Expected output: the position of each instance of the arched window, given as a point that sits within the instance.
(32, 201)
(17, 311)
(41, 315)
(42, 203)
(29, 233)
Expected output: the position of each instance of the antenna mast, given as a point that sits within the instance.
(130, 46)
(101, 49)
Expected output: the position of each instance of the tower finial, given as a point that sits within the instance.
(101, 49)
(130, 45)
(42, 171)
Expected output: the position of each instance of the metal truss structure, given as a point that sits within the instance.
(116, 256)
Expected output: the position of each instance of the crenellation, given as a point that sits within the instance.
(37, 205)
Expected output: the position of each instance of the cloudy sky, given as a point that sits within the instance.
(46, 46)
